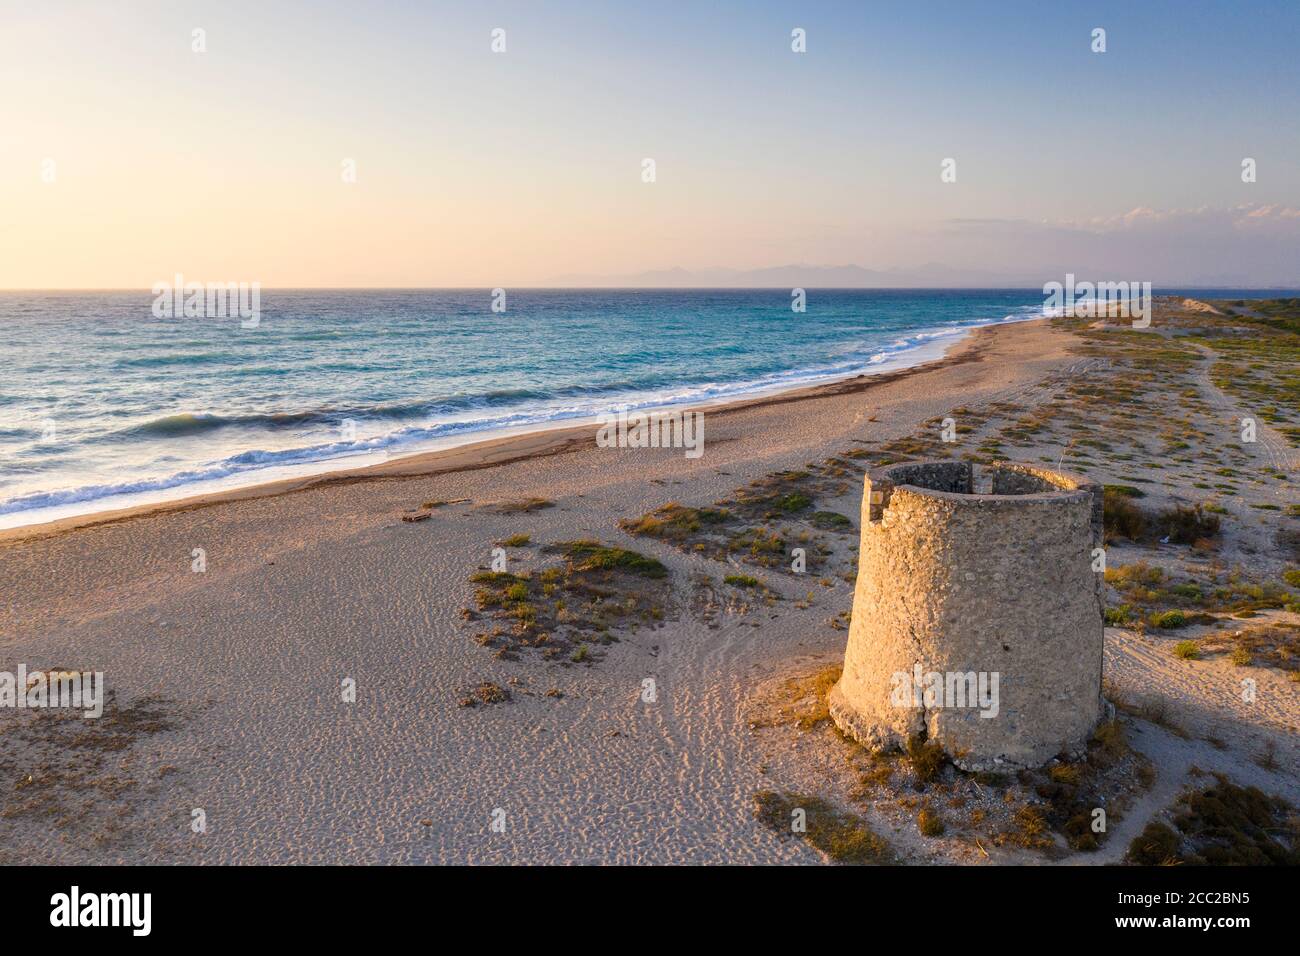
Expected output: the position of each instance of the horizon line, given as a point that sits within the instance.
(650, 288)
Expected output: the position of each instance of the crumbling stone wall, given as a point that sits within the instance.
(953, 582)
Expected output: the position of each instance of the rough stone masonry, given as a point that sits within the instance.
(977, 618)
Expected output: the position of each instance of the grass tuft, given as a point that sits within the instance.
(1220, 825)
(843, 837)
(592, 555)
(927, 759)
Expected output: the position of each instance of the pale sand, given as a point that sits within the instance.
(314, 581)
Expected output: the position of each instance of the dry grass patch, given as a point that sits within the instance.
(486, 692)
(843, 837)
(79, 774)
(1071, 791)
(1275, 644)
(1221, 825)
(520, 506)
(563, 610)
(760, 522)
(802, 700)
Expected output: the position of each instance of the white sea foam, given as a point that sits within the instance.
(257, 466)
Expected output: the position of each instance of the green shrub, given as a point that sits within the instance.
(1187, 525)
(831, 521)
(1228, 825)
(1169, 620)
(1157, 845)
(927, 759)
(1137, 576)
(1122, 518)
(1117, 616)
(493, 577)
(592, 555)
(674, 522)
(928, 822)
(1126, 491)
(1187, 650)
(791, 503)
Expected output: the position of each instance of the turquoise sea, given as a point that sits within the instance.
(103, 405)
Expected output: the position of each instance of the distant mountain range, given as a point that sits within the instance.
(806, 276)
(930, 275)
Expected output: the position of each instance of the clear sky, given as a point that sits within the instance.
(476, 168)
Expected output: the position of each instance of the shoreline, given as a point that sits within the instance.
(504, 449)
(228, 680)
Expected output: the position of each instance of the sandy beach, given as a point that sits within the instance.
(230, 685)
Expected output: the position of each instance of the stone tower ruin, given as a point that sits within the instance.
(977, 618)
